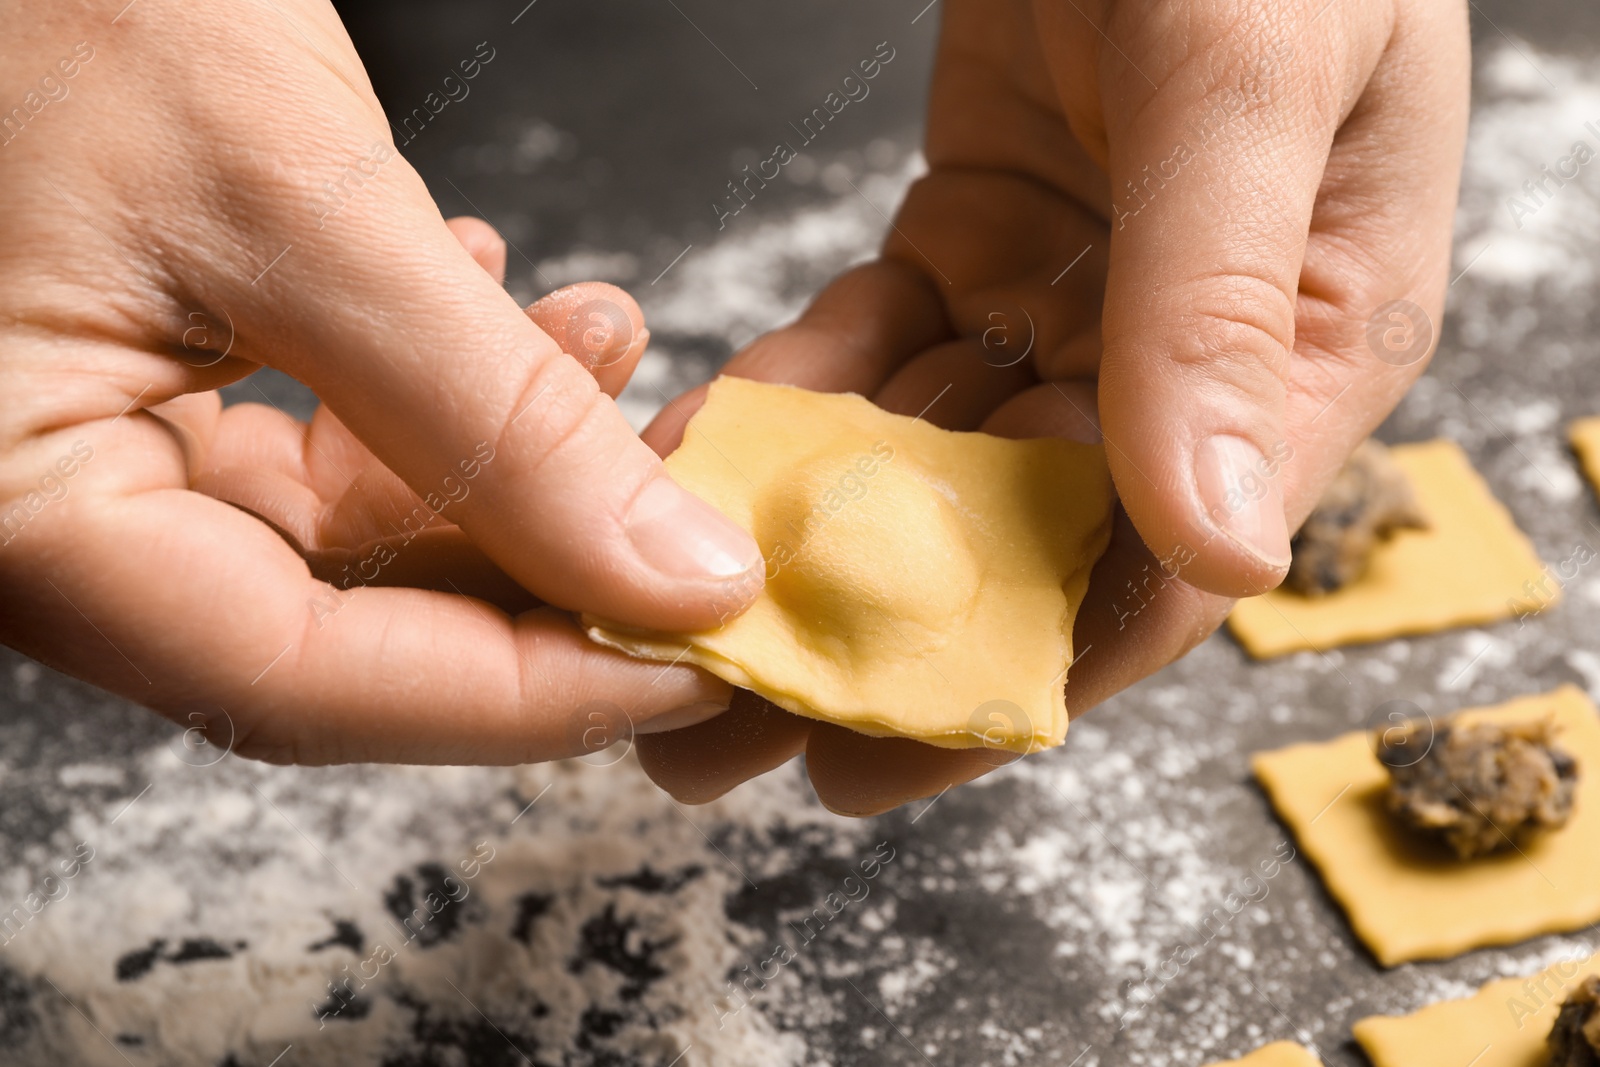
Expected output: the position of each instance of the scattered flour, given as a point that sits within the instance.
(1479, 652)
(755, 279)
(1538, 107)
(218, 907)
(607, 924)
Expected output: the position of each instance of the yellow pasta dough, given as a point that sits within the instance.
(1405, 905)
(1472, 565)
(1503, 1025)
(1585, 437)
(920, 583)
(1277, 1054)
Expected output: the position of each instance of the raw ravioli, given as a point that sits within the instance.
(1504, 1024)
(1277, 1054)
(1408, 905)
(920, 583)
(1472, 565)
(1585, 437)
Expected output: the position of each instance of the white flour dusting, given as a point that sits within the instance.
(222, 903)
(1122, 856)
(608, 924)
(1522, 226)
(218, 907)
(756, 278)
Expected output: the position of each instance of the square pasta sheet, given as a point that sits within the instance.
(1471, 566)
(1584, 434)
(1503, 1025)
(1279, 1054)
(1405, 905)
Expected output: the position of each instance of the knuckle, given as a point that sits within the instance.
(558, 412)
(1227, 53)
(1234, 356)
(1239, 70)
(1240, 334)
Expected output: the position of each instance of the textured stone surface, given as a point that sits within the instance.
(1124, 900)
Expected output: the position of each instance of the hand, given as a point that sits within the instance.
(1192, 210)
(175, 216)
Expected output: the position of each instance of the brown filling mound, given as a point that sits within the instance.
(1480, 788)
(1575, 1039)
(1367, 502)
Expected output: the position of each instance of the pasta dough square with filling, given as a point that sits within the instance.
(1406, 903)
(1584, 434)
(1472, 565)
(1277, 1054)
(1504, 1024)
(920, 583)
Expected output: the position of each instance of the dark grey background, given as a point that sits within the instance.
(610, 125)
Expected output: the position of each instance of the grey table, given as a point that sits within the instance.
(579, 918)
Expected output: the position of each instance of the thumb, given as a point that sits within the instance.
(1214, 178)
(439, 372)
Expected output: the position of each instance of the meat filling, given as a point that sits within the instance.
(1481, 788)
(1365, 505)
(1575, 1039)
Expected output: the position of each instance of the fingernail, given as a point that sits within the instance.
(1240, 492)
(682, 536)
(678, 718)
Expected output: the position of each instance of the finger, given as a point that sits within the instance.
(1377, 264)
(1138, 614)
(954, 385)
(665, 432)
(863, 326)
(439, 558)
(1055, 409)
(483, 243)
(859, 775)
(1199, 319)
(313, 482)
(598, 325)
(192, 419)
(701, 763)
(352, 521)
(442, 560)
(1024, 269)
(437, 371)
(397, 674)
(1076, 357)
